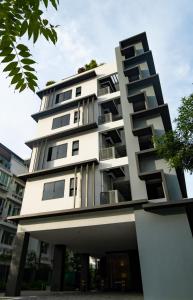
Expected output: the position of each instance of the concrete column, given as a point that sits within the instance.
(165, 246)
(17, 264)
(84, 273)
(103, 273)
(57, 282)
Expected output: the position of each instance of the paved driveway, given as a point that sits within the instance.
(39, 295)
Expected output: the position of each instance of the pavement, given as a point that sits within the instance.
(46, 295)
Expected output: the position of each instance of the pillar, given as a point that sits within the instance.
(17, 265)
(57, 282)
(84, 273)
(103, 273)
(165, 246)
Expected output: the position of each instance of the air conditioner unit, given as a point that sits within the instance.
(113, 197)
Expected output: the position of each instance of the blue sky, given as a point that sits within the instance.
(92, 29)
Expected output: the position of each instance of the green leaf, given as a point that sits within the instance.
(22, 87)
(6, 51)
(24, 54)
(31, 75)
(24, 27)
(45, 22)
(22, 47)
(10, 66)
(8, 58)
(45, 3)
(19, 84)
(28, 61)
(31, 86)
(16, 78)
(35, 34)
(54, 3)
(14, 72)
(28, 68)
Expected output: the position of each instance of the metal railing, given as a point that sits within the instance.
(112, 152)
(107, 153)
(111, 197)
(106, 118)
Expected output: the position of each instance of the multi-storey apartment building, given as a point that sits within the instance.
(97, 185)
(11, 196)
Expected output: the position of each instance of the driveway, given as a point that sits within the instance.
(45, 295)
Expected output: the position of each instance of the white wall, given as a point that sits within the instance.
(33, 202)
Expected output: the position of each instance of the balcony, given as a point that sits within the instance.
(107, 118)
(112, 152)
(108, 85)
(111, 197)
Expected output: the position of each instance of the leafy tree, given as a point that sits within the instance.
(19, 18)
(50, 82)
(91, 65)
(177, 146)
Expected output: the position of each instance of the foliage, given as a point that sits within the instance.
(50, 82)
(91, 65)
(17, 19)
(32, 260)
(177, 146)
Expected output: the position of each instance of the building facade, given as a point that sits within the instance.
(96, 184)
(11, 196)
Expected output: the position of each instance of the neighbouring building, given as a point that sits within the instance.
(11, 196)
(97, 186)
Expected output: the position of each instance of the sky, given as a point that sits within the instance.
(92, 29)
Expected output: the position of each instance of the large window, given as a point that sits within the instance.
(7, 238)
(75, 148)
(63, 96)
(57, 152)
(4, 178)
(53, 190)
(61, 121)
(73, 187)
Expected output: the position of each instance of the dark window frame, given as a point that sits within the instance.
(75, 147)
(55, 150)
(61, 121)
(67, 95)
(76, 116)
(72, 188)
(49, 190)
(78, 91)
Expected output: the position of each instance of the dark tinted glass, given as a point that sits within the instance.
(78, 91)
(64, 96)
(48, 190)
(62, 151)
(61, 121)
(59, 189)
(53, 190)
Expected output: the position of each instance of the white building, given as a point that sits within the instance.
(97, 186)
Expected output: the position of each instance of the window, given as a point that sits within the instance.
(76, 116)
(63, 96)
(75, 148)
(57, 152)
(61, 121)
(78, 91)
(44, 247)
(73, 186)
(53, 190)
(7, 238)
(155, 189)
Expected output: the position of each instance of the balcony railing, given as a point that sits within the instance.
(111, 197)
(107, 90)
(112, 152)
(106, 118)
